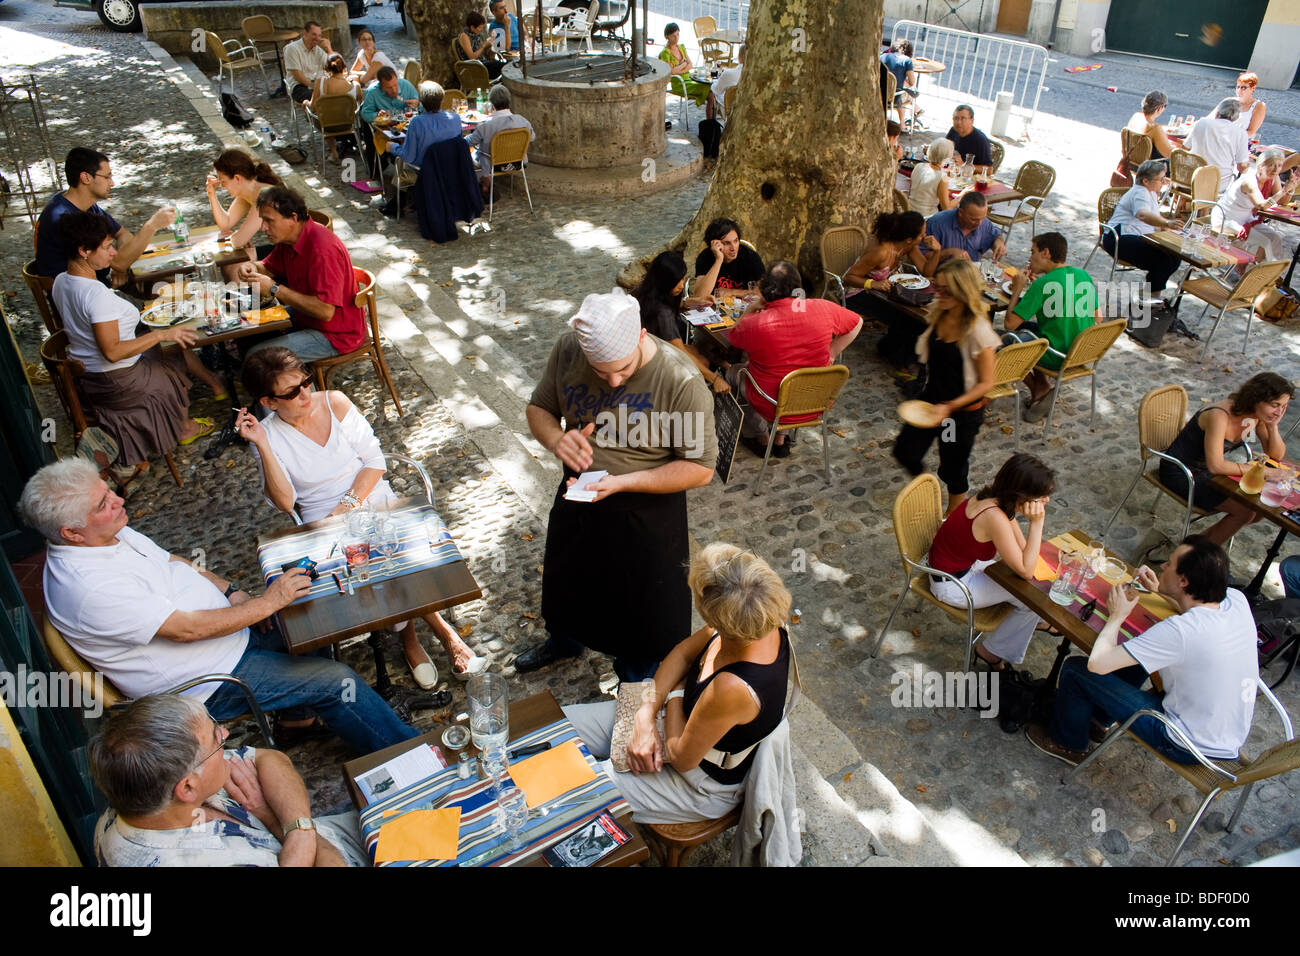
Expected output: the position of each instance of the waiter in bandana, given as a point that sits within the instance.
(616, 399)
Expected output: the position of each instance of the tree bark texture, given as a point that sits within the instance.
(438, 23)
(806, 147)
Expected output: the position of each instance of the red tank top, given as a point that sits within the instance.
(955, 549)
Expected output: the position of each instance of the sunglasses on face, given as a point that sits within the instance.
(290, 395)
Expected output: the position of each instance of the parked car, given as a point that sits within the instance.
(124, 15)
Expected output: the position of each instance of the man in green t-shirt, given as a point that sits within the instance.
(616, 399)
(1057, 306)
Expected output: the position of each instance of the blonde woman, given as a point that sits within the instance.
(957, 349)
(1252, 110)
(930, 190)
(722, 690)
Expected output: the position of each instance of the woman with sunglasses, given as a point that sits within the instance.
(318, 455)
(957, 349)
(1252, 110)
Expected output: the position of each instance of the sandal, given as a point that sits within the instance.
(206, 427)
(997, 666)
(1049, 629)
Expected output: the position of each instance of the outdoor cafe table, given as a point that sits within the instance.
(1201, 255)
(329, 616)
(1231, 486)
(995, 192)
(1075, 631)
(1289, 215)
(164, 258)
(526, 716)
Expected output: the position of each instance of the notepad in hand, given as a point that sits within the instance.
(577, 491)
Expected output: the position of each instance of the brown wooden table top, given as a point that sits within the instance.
(223, 253)
(332, 617)
(525, 716)
(277, 36)
(1199, 254)
(1274, 514)
(921, 64)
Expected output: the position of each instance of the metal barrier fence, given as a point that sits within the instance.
(981, 66)
(730, 14)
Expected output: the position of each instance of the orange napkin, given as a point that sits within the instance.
(420, 835)
(551, 773)
(276, 313)
(1043, 571)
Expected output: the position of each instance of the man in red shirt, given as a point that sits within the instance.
(309, 272)
(784, 332)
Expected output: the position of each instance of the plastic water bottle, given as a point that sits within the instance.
(179, 229)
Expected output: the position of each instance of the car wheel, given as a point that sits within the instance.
(120, 15)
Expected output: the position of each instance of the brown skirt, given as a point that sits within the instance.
(144, 407)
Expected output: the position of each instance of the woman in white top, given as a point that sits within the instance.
(930, 191)
(320, 456)
(1253, 190)
(1252, 110)
(368, 61)
(238, 174)
(139, 392)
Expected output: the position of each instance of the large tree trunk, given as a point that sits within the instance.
(437, 24)
(806, 146)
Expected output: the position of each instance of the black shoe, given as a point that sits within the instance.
(389, 209)
(1097, 731)
(782, 450)
(286, 737)
(535, 658)
(759, 448)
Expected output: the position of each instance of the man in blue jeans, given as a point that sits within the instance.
(1205, 654)
(149, 621)
(1290, 569)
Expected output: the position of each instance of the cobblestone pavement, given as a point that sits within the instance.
(481, 315)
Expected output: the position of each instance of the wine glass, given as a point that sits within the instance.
(386, 543)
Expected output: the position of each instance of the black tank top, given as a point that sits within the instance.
(1189, 446)
(944, 378)
(768, 683)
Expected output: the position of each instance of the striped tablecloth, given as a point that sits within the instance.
(1149, 609)
(415, 551)
(481, 839)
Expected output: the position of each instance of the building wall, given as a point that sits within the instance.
(1277, 51)
(30, 831)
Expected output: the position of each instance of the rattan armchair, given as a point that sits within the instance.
(1182, 165)
(1136, 147)
(1012, 364)
(1162, 413)
(841, 247)
(1106, 204)
(42, 288)
(1035, 180)
(233, 56)
(804, 392)
(998, 152)
(370, 349)
(918, 513)
(1086, 352)
(332, 117)
(1240, 296)
(508, 153)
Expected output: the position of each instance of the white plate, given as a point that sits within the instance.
(160, 316)
(1006, 286)
(909, 281)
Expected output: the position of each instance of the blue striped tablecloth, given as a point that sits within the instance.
(481, 839)
(415, 551)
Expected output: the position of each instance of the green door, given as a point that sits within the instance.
(1212, 32)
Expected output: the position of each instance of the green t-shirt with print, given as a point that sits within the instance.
(1062, 303)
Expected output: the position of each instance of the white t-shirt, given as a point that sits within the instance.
(321, 475)
(923, 197)
(311, 63)
(1221, 143)
(725, 81)
(1208, 661)
(1125, 217)
(109, 602)
(84, 303)
(380, 57)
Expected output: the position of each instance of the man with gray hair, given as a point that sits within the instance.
(637, 415)
(1221, 142)
(149, 620)
(177, 798)
(432, 126)
(481, 139)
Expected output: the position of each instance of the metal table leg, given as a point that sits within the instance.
(1252, 589)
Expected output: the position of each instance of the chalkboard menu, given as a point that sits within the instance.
(727, 415)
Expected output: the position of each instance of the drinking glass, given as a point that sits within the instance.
(386, 543)
(489, 711)
(512, 814)
(496, 769)
(435, 530)
(357, 552)
(1277, 488)
(1069, 576)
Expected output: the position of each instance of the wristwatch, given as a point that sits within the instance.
(231, 588)
(672, 694)
(302, 823)
(274, 290)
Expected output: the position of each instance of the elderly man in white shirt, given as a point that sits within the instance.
(178, 798)
(149, 620)
(480, 140)
(725, 81)
(305, 60)
(1137, 214)
(1221, 142)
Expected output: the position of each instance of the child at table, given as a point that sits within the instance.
(983, 530)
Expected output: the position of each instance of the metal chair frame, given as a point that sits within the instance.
(240, 56)
(783, 394)
(326, 120)
(1035, 201)
(516, 157)
(1070, 363)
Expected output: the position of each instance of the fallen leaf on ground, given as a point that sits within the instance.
(848, 777)
(1007, 430)
(528, 537)
(1173, 827)
(839, 432)
(465, 630)
(920, 788)
(916, 632)
(530, 615)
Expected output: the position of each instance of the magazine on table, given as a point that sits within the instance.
(595, 841)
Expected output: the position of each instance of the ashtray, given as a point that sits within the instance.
(455, 737)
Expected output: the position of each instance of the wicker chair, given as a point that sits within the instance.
(901, 202)
(672, 843)
(1162, 413)
(1212, 777)
(1136, 148)
(1086, 351)
(729, 101)
(333, 117)
(1241, 296)
(97, 687)
(41, 288)
(998, 152)
(1182, 165)
(841, 247)
(472, 76)
(1035, 180)
(803, 392)
(1106, 204)
(716, 53)
(1012, 364)
(64, 373)
(509, 156)
(322, 217)
(918, 513)
(704, 26)
(451, 99)
(370, 349)
(413, 73)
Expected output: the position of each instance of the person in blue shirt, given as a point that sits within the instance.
(898, 60)
(392, 94)
(432, 126)
(503, 40)
(965, 232)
